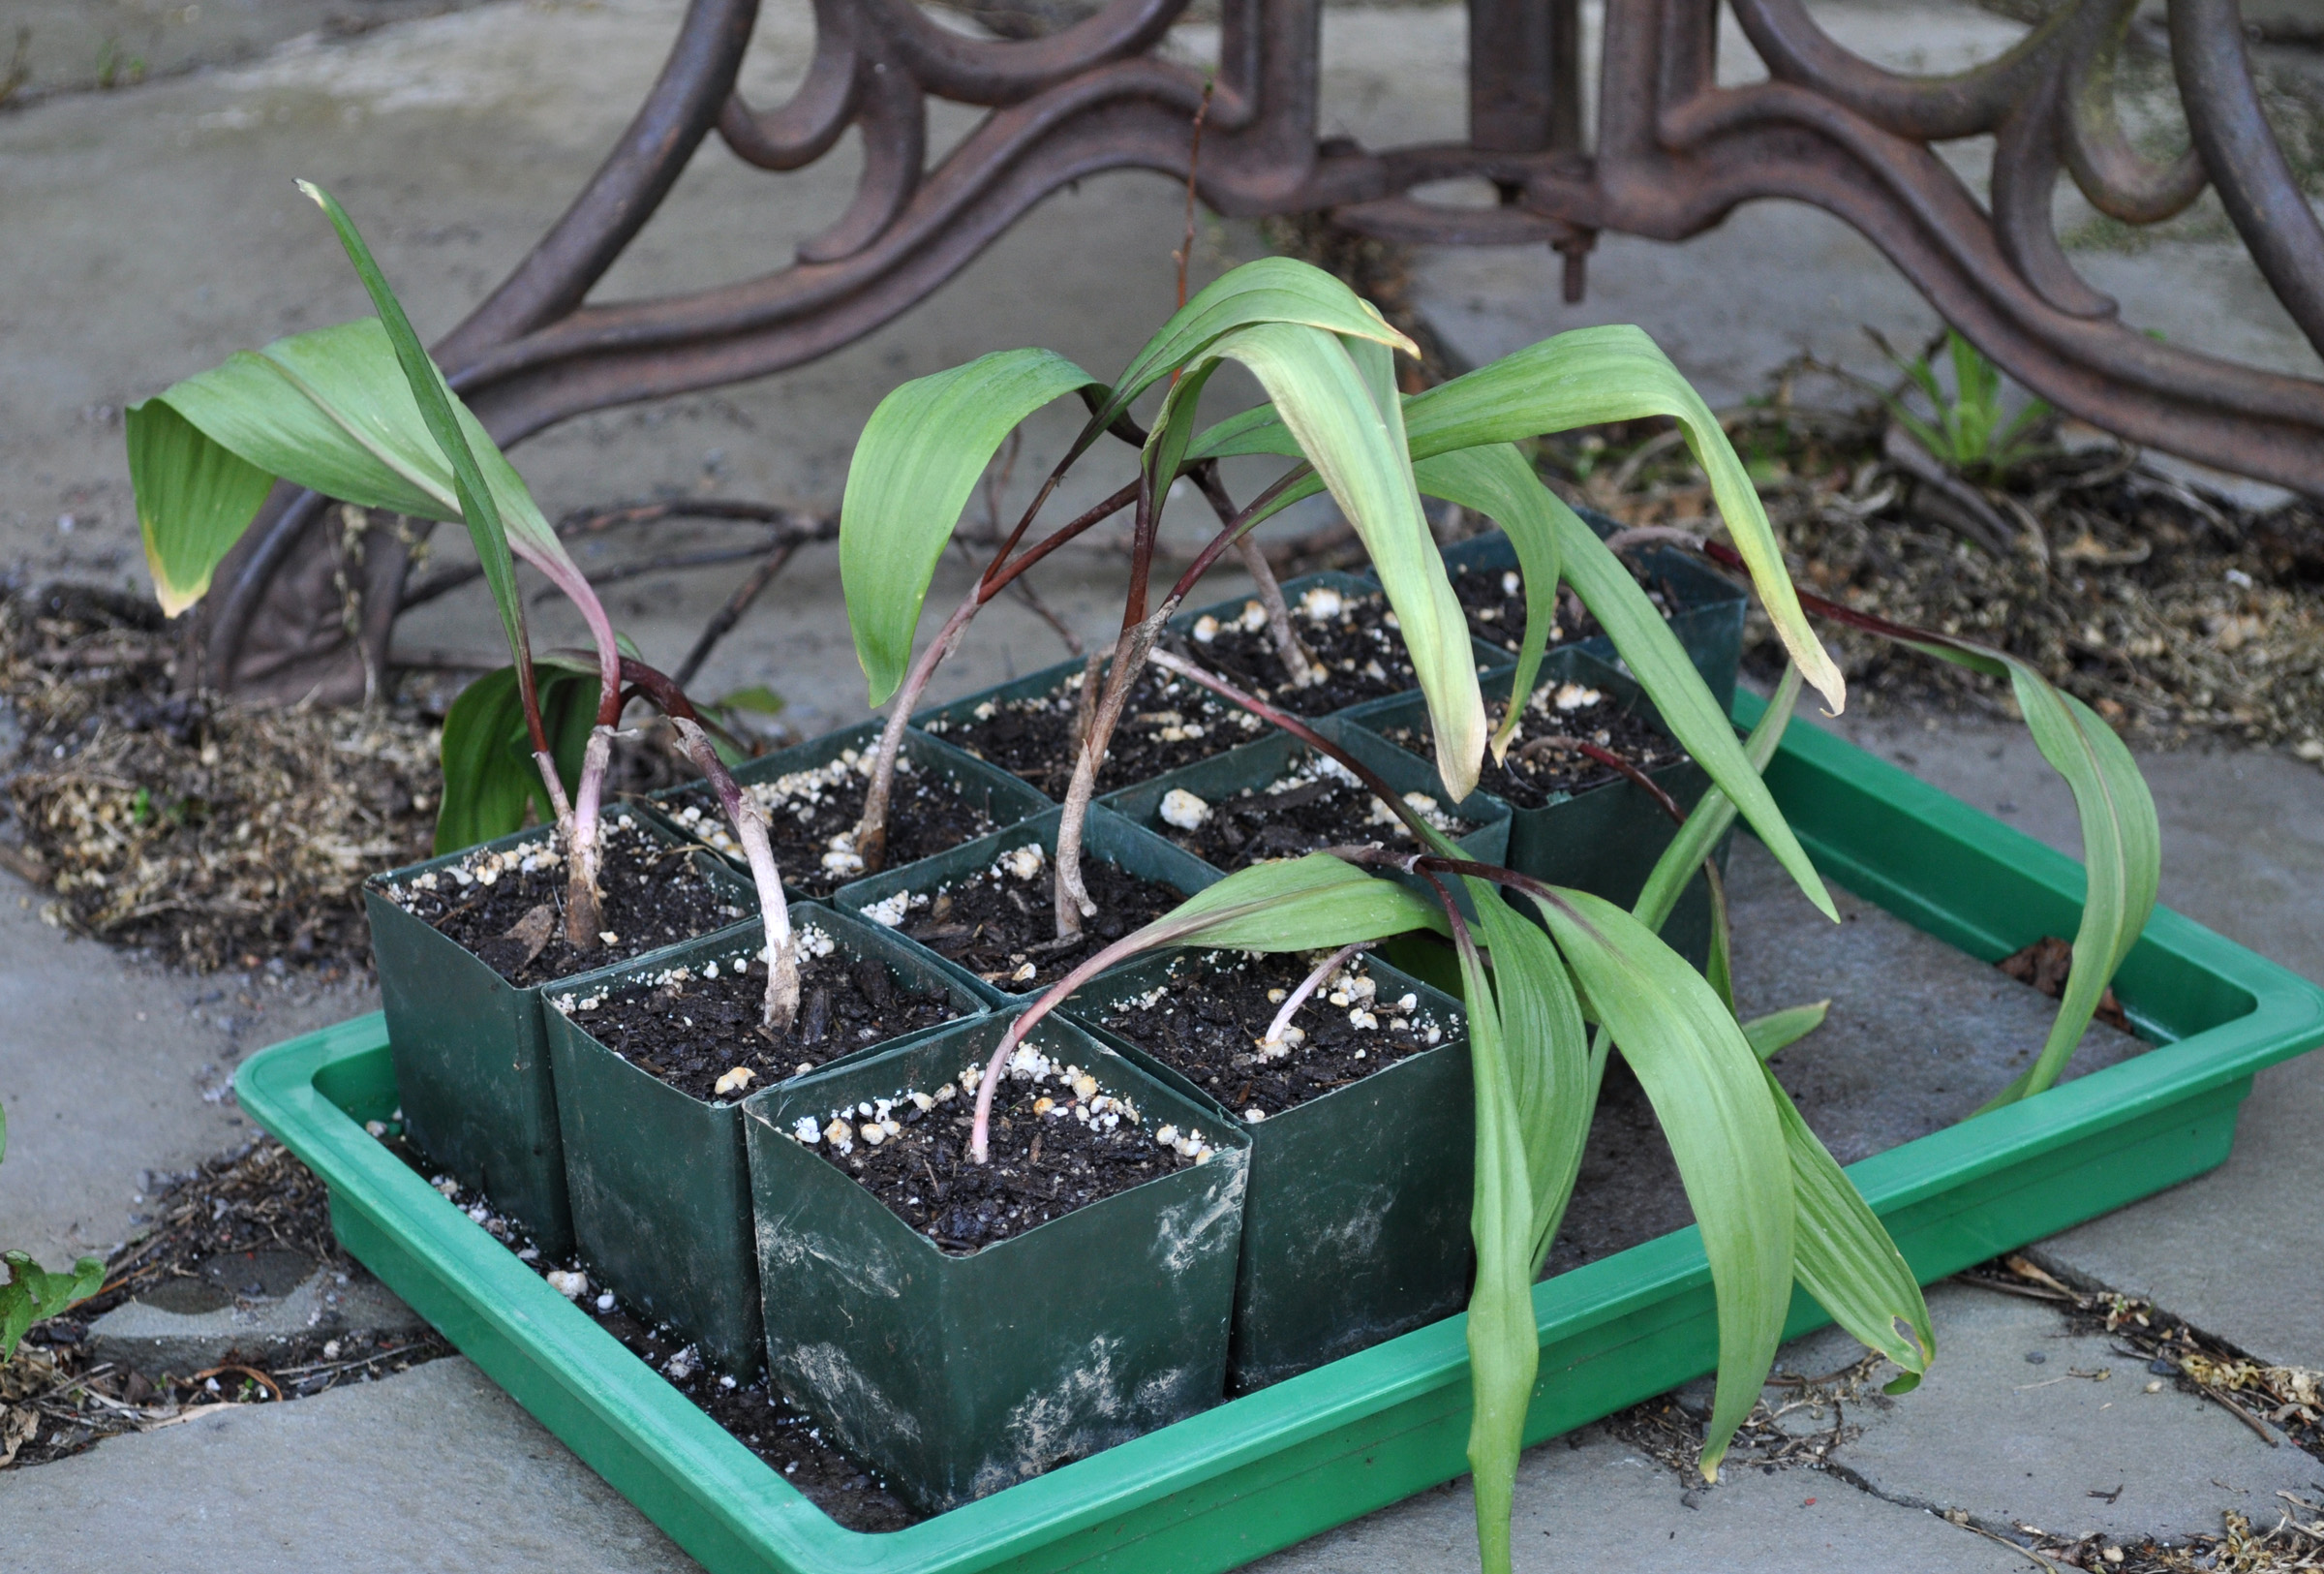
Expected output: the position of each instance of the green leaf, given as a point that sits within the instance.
(754, 697)
(1779, 1030)
(490, 778)
(1478, 478)
(2122, 840)
(1501, 486)
(440, 415)
(32, 1293)
(1584, 377)
(918, 460)
(1339, 402)
(1713, 813)
(193, 501)
(1293, 905)
(1271, 289)
(1709, 1093)
(1843, 1254)
(1503, 1338)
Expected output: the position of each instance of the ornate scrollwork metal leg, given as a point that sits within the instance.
(1673, 154)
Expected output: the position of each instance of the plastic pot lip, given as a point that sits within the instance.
(772, 1107)
(1451, 1015)
(713, 867)
(855, 937)
(1372, 717)
(1103, 834)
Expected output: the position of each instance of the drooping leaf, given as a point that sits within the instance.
(1713, 813)
(918, 460)
(1709, 1093)
(194, 500)
(1584, 377)
(1293, 905)
(1339, 405)
(490, 778)
(2122, 840)
(1271, 289)
(1479, 479)
(1843, 1254)
(1497, 483)
(1779, 1030)
(1503, 1340)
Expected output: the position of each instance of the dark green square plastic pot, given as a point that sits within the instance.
(1253, 766)
(1706, 607)
(960, 1376)
(988, 789)
(661, 1190)
(1106, 837)
(1355, 1224)
(472, 1054)
(1603, 839)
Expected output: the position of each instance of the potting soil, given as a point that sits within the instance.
(812, 816)
(1208, 1025)
(1315, 806)
(1539, 767)
(1058, 1141)
(693, 1027)
(1166, 723)
(492, 902)
(1000, 925)
(1354, 639)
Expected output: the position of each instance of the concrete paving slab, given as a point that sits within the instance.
(111, 1068)
(2010, 1425)
(239, 1306)
(433, 1472)
(1598, 1503)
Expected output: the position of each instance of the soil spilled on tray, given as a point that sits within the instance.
(1058, 1141)
(1546, 761)
(1316, 804)
(1167, 722)
(753, 1413)
(1210, 1024)
(812, 814)
(1356, 641)
(999, 925)
(702, 1028)
(507, 908)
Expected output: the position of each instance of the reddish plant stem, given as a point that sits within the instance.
(749, 823)
(872, 829)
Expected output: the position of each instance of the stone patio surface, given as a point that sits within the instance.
(147, 230)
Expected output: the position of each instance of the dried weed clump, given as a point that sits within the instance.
(208, 832)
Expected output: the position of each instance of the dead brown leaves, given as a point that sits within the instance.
(2173, 613)
(210, 832)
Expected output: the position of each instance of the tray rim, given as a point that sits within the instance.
(708, 1476)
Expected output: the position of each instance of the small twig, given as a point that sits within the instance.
(731, 614)
(1194, 164)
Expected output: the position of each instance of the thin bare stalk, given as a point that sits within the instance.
(1289, 650)
(1084, 712)
(749, 823)
(872, 830)
(1072, 903)
(1297, 997)
(585, 849)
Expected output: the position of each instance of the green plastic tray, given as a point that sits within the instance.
(1279, 1465)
